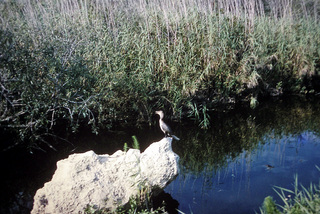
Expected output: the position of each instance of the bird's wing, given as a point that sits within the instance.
(165, 127)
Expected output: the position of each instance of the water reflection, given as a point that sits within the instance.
(233, 166)
(229, 168)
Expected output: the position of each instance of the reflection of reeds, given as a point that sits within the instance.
(207, 152)
(226, 150)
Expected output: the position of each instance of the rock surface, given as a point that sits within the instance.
(106, 181)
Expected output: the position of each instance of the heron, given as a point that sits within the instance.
(164, 127)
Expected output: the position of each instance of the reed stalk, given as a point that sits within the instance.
(101, 61)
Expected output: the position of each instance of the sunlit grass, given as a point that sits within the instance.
(105, 62)
(299, 200)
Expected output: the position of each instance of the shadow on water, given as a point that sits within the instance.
(228, 168)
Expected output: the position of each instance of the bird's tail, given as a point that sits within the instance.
(175, 137)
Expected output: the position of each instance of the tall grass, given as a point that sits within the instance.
(299, 200)
(116, 61)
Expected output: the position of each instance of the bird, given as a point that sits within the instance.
(164, 127)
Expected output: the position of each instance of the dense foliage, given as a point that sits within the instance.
(100, 62)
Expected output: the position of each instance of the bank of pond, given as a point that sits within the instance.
(229, 168)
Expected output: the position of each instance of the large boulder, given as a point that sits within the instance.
(106, 181)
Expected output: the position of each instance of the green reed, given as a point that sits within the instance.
(117, 61)
(299, 200)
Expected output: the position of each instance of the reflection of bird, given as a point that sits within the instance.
(164, 127)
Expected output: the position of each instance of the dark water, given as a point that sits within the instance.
(241, 185)
(229, 168)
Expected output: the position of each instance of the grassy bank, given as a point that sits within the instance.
(117, 61)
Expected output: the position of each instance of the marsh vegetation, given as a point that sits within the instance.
(101, 63)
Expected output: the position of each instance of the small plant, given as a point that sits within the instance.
(135, 144)
(200, 113)
(205, 123)
(254, 102)
(269, 206)
(125, 147)
(304, 200)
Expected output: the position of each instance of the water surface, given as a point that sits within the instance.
(233, 166)
(241, 185)
(229, 168)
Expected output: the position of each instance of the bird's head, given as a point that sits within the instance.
(160, 113)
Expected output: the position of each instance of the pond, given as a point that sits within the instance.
(229, 168)
(233, 166)
(241, 184)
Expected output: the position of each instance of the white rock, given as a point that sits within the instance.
(106, 181)
(160, 157)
